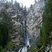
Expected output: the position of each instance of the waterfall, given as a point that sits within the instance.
(27, 44)
(24, 49)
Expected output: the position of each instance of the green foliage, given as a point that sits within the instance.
(33, 49)
(9, 46)
(46, 26)
(46, 29)
(5, 27)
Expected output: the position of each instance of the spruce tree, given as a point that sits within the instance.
(5, 27)
(46, 30)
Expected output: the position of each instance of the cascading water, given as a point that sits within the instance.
(24, 49)
(27, 44)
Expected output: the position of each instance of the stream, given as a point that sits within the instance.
(27, 45)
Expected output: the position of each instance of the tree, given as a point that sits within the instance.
(46, 36)
(5, 27)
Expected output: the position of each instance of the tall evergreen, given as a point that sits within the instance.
(46, 30)
(5, 27)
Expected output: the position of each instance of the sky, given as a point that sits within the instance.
(26, 3)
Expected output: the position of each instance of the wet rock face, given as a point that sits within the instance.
(34, 19)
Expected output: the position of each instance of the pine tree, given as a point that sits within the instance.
(46, 30)
(5, 27)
